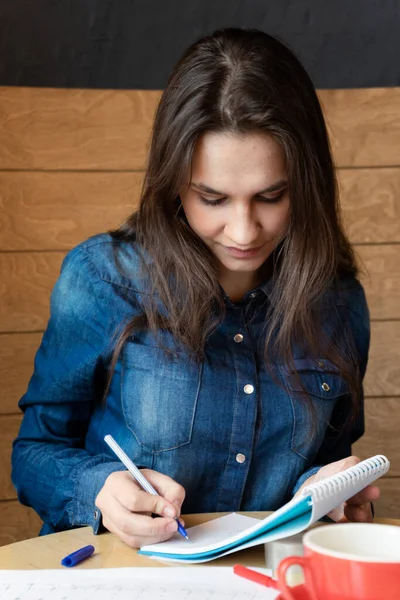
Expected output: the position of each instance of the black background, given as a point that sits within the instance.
(135, 43)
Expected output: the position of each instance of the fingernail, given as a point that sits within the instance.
(173, 526)
(169, 511)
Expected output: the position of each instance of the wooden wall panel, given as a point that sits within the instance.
(17, 522)
(28, 278)
(383, 372)
(56, 211)
(381, 279)
(381, 432)
(26, 282)
(370, 201)
(9, 428)
(364, 126)
(389, 503)
(75, 129)
(99, 130)
(17, 352)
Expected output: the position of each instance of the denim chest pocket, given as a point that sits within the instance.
(159, 395)
(322, 383)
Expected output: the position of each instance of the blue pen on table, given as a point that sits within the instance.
(76, 557)
(137, 475)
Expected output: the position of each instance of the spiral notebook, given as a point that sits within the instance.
(235, 532)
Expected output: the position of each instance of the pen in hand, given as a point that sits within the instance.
(137, 475)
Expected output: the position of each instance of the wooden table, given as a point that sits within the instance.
(47, 551)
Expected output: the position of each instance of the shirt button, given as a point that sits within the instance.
(325, 387)
(253, 295)
(240, 458)
(248, 389)
(96, 514)
(238, 338)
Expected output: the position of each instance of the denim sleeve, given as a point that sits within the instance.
(337, 445)
(51, 470)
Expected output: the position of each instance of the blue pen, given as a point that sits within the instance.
(137, 475)
(76, 557)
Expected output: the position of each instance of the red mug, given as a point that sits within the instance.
(347, 561)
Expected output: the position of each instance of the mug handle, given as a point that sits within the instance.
(304, 563)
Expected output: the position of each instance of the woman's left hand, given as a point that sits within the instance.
(357, 508)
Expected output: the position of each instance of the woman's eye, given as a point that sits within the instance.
(273, 200)
(218, 201)
(211, 202)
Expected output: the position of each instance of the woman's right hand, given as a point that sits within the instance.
(126, 508)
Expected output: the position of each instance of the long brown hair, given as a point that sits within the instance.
(240, 81)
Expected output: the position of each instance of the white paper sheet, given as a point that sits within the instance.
(168, 583)
(207, 535)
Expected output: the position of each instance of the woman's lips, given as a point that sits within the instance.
(239, 253)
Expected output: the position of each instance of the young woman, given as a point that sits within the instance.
(220, 335)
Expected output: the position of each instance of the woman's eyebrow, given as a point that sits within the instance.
(272, 188)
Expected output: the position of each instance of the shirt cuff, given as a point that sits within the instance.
(87, 487)
(309, 473)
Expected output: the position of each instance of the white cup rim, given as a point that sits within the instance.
(320, 549)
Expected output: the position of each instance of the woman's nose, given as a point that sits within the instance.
(242, 228)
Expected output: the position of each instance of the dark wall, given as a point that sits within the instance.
(134, 43)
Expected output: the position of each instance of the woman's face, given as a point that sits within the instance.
(237, 201)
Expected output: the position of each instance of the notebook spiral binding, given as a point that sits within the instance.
(325, 488)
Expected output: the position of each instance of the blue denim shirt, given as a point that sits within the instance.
(235, 434)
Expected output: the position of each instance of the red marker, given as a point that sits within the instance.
(255, 576)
